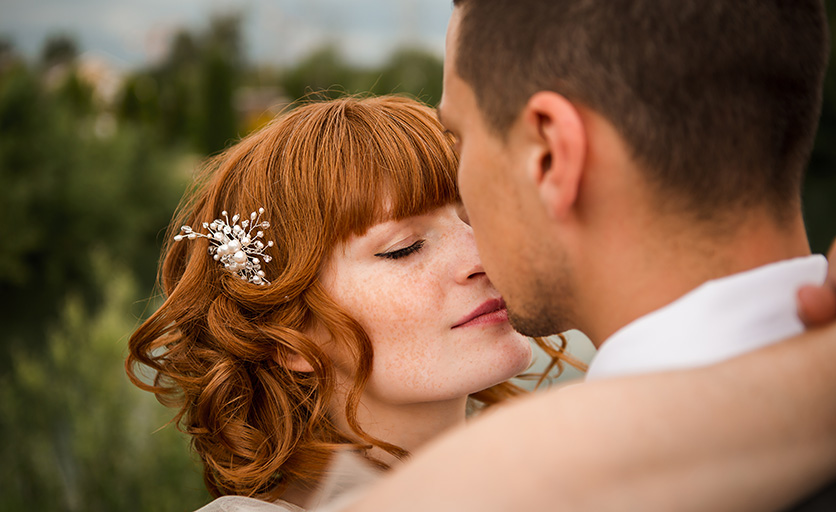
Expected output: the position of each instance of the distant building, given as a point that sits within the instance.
(104, 73)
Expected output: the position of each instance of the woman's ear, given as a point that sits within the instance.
(293, 361)
(558, 162)
(291, 358)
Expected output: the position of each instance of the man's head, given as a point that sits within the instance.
(714, 102)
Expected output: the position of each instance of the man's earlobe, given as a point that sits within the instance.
(558, 165)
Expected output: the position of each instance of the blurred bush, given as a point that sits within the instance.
(77, 435)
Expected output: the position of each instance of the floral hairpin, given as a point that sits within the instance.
(235, 245)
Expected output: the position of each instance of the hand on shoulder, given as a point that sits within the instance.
(817, 304)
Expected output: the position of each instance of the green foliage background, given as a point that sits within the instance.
(820, 184)
(88, 187)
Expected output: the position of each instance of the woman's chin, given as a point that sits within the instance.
(519, 358)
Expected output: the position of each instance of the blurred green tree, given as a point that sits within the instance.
(412, 71)
(59, 50)
(78, 436)
(187, 99)
(221, 65)
(71, 192)
(820, 183)
(323, 72)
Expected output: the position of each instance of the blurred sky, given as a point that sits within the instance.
(133, 32)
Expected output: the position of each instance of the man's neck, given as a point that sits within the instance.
(648, 275)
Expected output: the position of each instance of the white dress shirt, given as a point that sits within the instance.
(716, 321)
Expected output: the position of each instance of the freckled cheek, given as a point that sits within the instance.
(405, 331)
(395, 309)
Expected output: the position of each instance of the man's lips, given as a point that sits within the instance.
(491, 311)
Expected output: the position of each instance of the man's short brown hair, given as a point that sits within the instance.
(718, 100)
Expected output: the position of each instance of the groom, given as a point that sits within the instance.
(649, 157)
(631, 151)
(632, 168)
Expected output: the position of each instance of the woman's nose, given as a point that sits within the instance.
(468, 264)
(470, 272)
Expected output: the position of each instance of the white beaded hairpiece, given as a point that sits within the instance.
(235, 245)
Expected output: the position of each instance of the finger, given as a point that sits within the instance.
(831, 257)
(816, 305)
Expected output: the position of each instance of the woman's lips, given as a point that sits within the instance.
(492, 311)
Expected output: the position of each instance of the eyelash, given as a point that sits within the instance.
(402, 253)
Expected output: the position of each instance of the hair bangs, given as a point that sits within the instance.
(396, 162)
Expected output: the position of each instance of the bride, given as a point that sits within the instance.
(323, 293)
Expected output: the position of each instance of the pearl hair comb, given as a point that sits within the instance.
(235, 245)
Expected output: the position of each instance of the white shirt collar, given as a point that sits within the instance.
(718, 320)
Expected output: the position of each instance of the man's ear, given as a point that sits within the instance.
(556, 167)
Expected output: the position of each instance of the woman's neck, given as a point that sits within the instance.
(407, 426)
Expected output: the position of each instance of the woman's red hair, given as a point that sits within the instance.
(322, 172)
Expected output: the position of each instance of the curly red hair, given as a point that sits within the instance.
(322, 172)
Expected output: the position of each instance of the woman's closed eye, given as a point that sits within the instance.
(401, 253)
